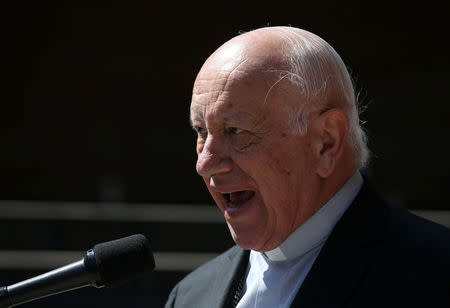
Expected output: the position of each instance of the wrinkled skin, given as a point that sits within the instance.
(262, 175)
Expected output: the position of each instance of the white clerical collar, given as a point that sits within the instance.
(317, 228)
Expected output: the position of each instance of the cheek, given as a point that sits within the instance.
(245, 142)
(281, 175)
(282, 165)
(272, 178)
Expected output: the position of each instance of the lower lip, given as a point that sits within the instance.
(233, 212)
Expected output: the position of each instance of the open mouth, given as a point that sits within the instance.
(237, 198)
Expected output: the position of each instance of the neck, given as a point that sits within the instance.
(328, 187)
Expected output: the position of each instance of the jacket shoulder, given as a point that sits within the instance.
(409, 230)
(210, 284)
(413, 263)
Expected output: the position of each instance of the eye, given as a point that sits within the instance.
(235, 130)
(200, 130)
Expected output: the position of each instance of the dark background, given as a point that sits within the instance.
(95, 100)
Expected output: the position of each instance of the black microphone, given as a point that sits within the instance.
(107, 264)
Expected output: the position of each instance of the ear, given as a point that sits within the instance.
(331, 135)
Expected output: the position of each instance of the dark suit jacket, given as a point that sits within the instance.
(377, 255)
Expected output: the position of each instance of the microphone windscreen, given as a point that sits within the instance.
(123, 259)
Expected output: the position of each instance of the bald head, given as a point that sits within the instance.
(305, 60)
(260, 47)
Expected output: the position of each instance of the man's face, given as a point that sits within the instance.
(257, 170)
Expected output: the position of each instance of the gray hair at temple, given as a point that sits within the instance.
(325, 83)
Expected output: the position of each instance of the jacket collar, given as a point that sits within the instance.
(346, 255)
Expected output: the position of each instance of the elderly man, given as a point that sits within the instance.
(280, 147)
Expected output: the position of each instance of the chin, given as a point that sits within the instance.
(246, 240)
(244, 244)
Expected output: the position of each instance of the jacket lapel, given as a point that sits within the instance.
(346, 256)
(226, 287)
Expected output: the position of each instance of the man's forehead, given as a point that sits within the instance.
(245, 73)
(246, 55)
(227, 56)
(248, 117)
(240, 73)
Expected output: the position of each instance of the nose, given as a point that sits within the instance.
(213, 159)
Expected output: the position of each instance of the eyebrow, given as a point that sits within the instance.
(194, 115)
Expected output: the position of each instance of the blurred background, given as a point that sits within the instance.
(96, 142)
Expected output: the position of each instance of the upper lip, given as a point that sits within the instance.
(230, 188)
(223, 190)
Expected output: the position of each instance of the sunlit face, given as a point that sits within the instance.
(256, 168)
